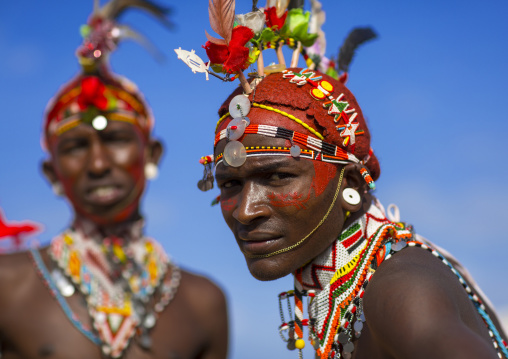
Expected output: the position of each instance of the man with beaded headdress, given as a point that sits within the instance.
(293, 162)
(102, 289)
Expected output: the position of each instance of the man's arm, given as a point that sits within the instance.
(210, 305)
(416, 308)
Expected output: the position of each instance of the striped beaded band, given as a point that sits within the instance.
(329, 152)
(285, 151)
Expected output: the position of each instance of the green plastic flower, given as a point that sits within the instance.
(297, 26)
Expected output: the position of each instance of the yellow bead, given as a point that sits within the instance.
(300, 344)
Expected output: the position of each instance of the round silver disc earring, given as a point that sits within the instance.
(351, 196)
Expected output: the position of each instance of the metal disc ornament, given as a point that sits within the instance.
(399, 245)
(291, 344)
(235, 154)
(358, 326)
(239, 106)
(149, 321)
(348, 347)
(205, 185)
(295, 151)
(343, 338)
(236, 129)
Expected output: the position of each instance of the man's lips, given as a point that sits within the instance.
(104, 194)
(258, 243)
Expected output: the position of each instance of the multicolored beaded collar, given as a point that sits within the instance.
(335, 283)
(119, 281)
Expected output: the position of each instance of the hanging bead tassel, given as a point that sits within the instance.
(366, 176)
(206, 183)
(299, 343)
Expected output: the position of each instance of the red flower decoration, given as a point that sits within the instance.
(92, 94)
(272, 20)
(234, 56)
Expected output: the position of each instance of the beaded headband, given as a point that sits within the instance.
(244, 38)
(96, 95)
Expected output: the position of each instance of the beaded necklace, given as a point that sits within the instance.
(118, 279)
(335, 282)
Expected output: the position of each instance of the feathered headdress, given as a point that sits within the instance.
(282, 22)
(96, 95)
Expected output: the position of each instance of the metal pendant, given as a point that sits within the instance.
(399, 245)
(64, 286)
(235, 154)
(239, 106)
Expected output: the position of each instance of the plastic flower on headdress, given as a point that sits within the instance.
(92, 94)
(298, 25)
(254, 20)
(229, 52)
(272, 20)
(234, 56)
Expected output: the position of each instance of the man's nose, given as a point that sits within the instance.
(252, 204)
(99, 163)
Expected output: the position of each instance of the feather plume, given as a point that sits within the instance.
(128, 33)
(222, 18)
(355, 38)
(114, 8)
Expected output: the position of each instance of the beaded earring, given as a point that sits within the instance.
(151, 171)
(57, 188)
(206, 183)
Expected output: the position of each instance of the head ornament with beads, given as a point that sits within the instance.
(317, 115)
(96, 95)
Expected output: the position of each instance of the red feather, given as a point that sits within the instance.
(222, 19)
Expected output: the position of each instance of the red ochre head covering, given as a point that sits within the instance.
(277, 91)
(87, 96)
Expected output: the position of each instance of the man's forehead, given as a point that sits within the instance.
(261, 164)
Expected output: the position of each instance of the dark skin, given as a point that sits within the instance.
(415, 307)
(103, 178)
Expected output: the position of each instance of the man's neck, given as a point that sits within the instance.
(129, 230)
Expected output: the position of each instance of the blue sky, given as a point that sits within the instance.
(433, 87)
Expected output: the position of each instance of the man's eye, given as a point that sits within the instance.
(229, 184)
(278, 176)
(119, 139)
(74, 146)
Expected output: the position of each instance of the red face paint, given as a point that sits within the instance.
(288, 199)
(228, 204)
(324, 173)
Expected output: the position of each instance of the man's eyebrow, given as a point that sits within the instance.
(272, 166)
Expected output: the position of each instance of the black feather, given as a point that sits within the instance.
(115, 8)
(296, 4)
(355, 38)
(254, 5)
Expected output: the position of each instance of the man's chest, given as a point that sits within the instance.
(38, 327)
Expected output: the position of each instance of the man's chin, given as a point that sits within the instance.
(109, 215)
(267, 269)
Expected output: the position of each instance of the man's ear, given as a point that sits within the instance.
(49, 171)
(155, 151)
(353, 182)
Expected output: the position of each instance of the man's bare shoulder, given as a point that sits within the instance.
(17, 278)
(15, 269)
(414, 300)
(201, 292)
